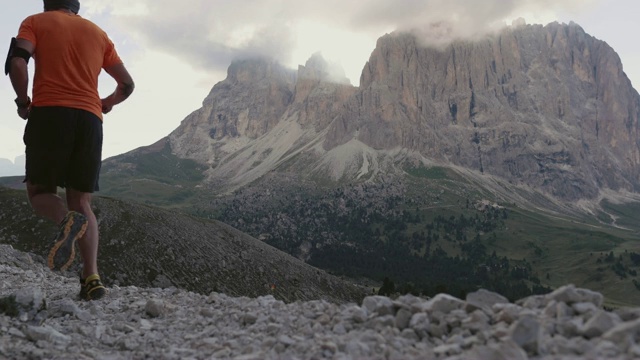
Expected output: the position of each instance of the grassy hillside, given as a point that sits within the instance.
(146, 246)
(320, 223)
(401, 229)
(566, 251)
(152, 175)
(14, 182)
(566, 248)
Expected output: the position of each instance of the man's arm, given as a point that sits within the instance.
(124, 89)
(19, 75)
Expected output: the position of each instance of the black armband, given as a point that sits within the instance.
(127, 89)
(15, 51)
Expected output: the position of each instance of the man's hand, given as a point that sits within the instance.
(123, 90)
(24, 112)
(107, 104)
(24, 106)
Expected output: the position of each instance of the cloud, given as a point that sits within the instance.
(209, 34)
(441, 21)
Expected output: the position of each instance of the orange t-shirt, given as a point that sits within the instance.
(69, 53)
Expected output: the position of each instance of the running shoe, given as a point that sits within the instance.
(63, 251)
(92, 288)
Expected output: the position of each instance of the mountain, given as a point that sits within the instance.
(513, 159)
(151, 247)
(12, 168)
(548, 107)
(545, 107)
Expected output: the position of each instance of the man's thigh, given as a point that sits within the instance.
(49, 139)
(86, 158)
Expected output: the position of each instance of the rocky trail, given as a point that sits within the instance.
(46, 321)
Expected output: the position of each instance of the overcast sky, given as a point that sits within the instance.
(177, 51)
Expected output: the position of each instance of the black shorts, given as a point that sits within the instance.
(64, 148)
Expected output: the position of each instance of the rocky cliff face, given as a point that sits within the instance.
(547, 107)
(247, 104)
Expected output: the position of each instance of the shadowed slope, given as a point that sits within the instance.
(145, 246)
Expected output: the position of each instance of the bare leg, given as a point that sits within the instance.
(46, 203)
(88, 244)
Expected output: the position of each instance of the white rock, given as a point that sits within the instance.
(484, 300)
(15, 332)
(600, 323)
(407, 301)
(621, 332)
(476, 321)
(507, 313)
(584, 308)
(507, 350)
(30, 299)
(444, 303)
(410, 334)
(354, 313)
(569, 294)
(155, 308)
(525, 332)
(67, 306)
(286, 340)
(420, 324)
(339, 329)
(571, 327)
(606, 350)
(46, 333)
(533, 302)
(447, 350)
(563, 311)
(380, 305)
(403, 317)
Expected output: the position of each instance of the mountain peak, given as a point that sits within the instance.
(256, 69)
(319, 68)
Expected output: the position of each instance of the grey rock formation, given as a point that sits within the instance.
(547, 107)
(132, 322)
(246, 105)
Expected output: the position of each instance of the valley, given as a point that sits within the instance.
(432, 230)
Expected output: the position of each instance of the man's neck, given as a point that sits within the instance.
(64, 10)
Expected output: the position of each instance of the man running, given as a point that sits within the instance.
(63, 135)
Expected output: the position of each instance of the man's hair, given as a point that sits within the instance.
(73, 5)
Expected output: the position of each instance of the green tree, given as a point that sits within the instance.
(387, 288)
